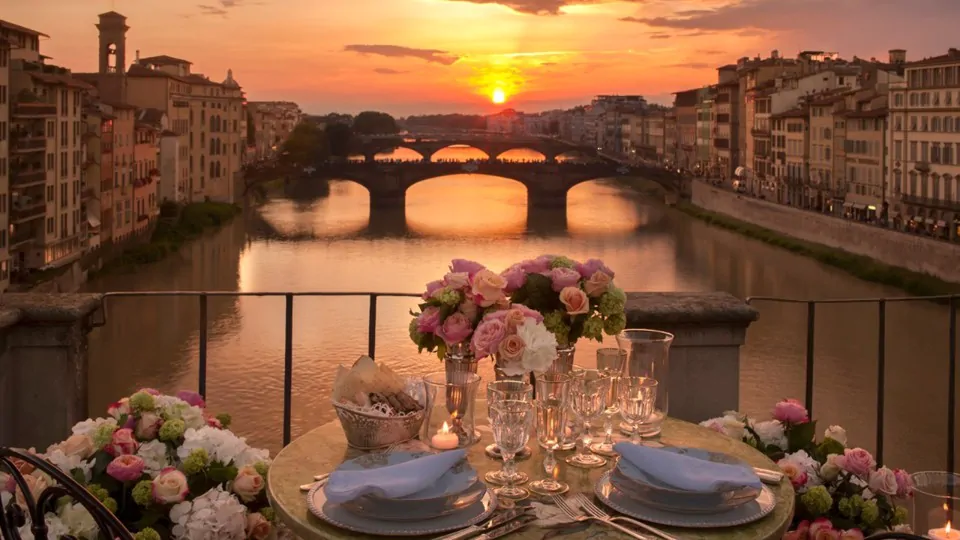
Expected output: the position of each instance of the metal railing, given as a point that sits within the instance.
(953, 302)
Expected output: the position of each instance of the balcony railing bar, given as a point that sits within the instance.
(953, 302)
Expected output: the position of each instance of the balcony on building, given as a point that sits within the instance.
(28, 138)
(26, 172)
(721, 143)
(931, 202)
(28, 105)
(26, 208)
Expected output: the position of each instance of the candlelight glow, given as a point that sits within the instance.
(446, 429)
(499, 96)
(948, 528)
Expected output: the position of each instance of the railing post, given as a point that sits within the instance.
(811, 326)
(952, 382)
(881, 374)
(202, 346)
(287, 367)
(372, 327)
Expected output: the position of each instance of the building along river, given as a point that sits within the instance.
(153, 342)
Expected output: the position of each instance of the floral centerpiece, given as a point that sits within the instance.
(453, 306)
(576, 299)
(841, 492)
(518, 339)
(164, 466)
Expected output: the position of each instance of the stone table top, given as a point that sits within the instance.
(324, 448)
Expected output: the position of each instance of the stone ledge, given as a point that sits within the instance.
(47, 308)
(655, 309)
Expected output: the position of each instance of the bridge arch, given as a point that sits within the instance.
(406, 147)
(572, 154)
(500, 154)
(425, 178)
(459, 146)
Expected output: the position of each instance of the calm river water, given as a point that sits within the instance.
(154, 341)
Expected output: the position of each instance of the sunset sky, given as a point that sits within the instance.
(433, 56)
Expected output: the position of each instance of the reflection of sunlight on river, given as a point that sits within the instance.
(467, 205)
(597, 208)
(344, 212)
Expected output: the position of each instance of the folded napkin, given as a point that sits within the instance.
(391, 482)
(685, 472)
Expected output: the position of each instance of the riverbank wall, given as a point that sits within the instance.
(915, 253)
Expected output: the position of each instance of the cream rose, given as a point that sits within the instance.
(147, 426)
(78, 445)
(836, 433)
(258, 528)
(514, 318)
(170, 486)
(575, 300)
(511, 349)
(488, 287)
(248, 483)
(598, 284)
(36, 483)
(883, 480)
(831, 468)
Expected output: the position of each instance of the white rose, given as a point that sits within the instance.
(771, 432)
(79, 445)
(831, 468)
(836, 433)
(883, 480)
(734, 428)
(248, 483)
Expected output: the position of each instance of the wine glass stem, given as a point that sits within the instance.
(608, 430)
(509, 468)
(635, 436)
(549, 463)
(584, 437)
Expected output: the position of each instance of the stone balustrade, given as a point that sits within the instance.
(44, 366)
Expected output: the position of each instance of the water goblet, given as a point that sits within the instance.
(611, 361)
(511, 421)
(498, 391)
(553, 394)
(589, 398)
(638, 395)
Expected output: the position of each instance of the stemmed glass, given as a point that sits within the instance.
(553, 399)
(589, 398)
(498, 391)
(511, 421)
(637, 398)
(611, 361)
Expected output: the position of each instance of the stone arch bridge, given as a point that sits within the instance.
(492, 146)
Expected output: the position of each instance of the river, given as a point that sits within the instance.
(153, 342)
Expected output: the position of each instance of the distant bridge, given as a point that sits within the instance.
(493, 145)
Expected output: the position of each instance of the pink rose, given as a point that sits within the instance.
(456, 280)
(488, 288)
(575, 300)
(487, 338)
(429, 320)
(818, 525)
(904, 483)
(514, 318)
(511, 349)
(126, 468)
(258, 528)
(598, 284)
(119, 408)
(793, 471)
(561, 278)
(463, 265)
(122, 443)
(455, 329)
(470, 309)
(825, 534)
(515, 278)
(791, 411)
(248, 483)
(147, 426)
(800, 533)
(857, 461)
(883, 480)
(214, 422)
(170, 486)
(539, 265)
(432, 287)
(192, 398)
(7, 483)
(591, 266)
(851, 534)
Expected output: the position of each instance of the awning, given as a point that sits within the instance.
(847, 204)
(941, 223)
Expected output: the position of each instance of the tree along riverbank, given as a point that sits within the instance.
(865, 268)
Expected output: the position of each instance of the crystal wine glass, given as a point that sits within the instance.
(637, 398)
(498, 391)
(511, 421)
(589, 398)
(553, 395)
(611, 361)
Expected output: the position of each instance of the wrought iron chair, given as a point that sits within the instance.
(13, 516)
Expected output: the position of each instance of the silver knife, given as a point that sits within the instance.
(514, 525)
(472, 530)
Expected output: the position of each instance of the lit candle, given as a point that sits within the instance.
(946, 533)
(444, 440)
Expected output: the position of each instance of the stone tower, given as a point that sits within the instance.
(113, 42)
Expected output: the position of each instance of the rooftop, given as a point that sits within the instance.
(164, 60)
(7, 25)
(59, 79)
(952, 57)
(799, 112)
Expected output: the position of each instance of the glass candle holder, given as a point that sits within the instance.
(450, 410)
(648, 355)
(936, 503)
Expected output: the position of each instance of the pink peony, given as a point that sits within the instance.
(429, 320)
(561, 278)
(515, 278)
(193, 398)
(800, 533)
(122, 443)
(540, 265)
(791, 411)
(851, 534)
(126, 468)
(455, 329)
(463, 265)
(486, 340)
(904, 483)
(432, 287)
(147, 426)
(857, 461)
(592, 266)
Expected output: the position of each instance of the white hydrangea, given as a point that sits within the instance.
(730, 424)
(867, 494)
(78, 521)
(173, 407)
(55, 527)
(221, 445)
(807, 464)
(90, 426)
(69, 463)
(154, 456)
(771, 432)
(215, 515)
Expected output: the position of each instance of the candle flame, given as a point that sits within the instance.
(947, 528)
(445, 428)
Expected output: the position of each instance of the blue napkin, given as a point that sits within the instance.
(685, 472)
(393, 481)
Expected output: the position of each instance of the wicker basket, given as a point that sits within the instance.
(371, 432)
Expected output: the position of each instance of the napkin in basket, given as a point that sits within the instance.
(391, 482)
(685, 472)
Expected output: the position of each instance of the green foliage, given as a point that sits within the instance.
(800, 436)
(218, 473)
(339, 140)
(306, 146)
(374, 123)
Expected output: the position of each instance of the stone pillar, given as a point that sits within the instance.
(43, 366)
(708, 330)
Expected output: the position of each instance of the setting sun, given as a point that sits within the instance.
(499, 96)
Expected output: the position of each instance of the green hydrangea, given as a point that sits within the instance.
(268, 514)
(593, 328)
(900, 515)
(143, 493)
(196, 462)
(415, 335)
(103, 435)
(817, 500)
(870, 513)
(562, 262)
(98, 492)
(142, 401)
(846, 509)
(612, 302)
(111, 504)
(172, 430)
(147, 534)
(225, 420)
(553, 321)
(615, 324)
(449, 297)
(262, 468)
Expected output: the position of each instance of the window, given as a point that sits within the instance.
(924, 151)
(898, 150)
(913, 150)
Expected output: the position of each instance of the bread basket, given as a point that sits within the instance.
(366, 431)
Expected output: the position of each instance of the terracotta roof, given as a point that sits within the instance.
(874, 113)
(143, 71)
(119, 105)
(163, 60)
(59, 80)
(798, 112)
(952, 57)
(201, 80)
(22, 29)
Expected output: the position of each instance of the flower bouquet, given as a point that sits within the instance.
(454, 306)
(576, 299)
(518, 338)
(163, 466)
(841, 491)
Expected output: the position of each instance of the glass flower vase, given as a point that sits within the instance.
(450, 420)
(648, 355)
(458, 358)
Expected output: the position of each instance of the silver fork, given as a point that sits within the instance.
(573, 514)
(597, 512)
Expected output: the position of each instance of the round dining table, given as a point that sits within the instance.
(324, 448)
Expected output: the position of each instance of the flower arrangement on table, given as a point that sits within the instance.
(841, 491)
(518, 338)
(454, 306)
(576, 299)
(164, 467)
